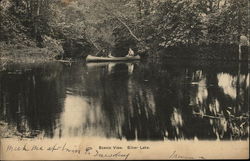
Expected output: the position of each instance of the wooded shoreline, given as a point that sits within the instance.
(42, 30)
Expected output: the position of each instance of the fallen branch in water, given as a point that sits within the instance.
(69, 61)
(220, 116)
(208, 116)
(66, 61)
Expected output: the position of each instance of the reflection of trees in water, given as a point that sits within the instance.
(151, 101)
(172, 90)
(140, 122)
(170, 99)
(221, 108)
(97, 101)
(127, 108)
(159, 101)
(30, 100)
(144, 101)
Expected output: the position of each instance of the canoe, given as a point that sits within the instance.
(91, 58)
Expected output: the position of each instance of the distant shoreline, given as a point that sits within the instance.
(36, 54)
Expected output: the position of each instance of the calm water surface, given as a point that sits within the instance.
(158, 100)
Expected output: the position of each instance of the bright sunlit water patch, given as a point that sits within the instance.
(79, 118)
(202, 91)
(228, 83)
(248, 80)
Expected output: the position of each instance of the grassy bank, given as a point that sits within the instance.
(25, 55)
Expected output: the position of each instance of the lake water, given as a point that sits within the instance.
(147, 100)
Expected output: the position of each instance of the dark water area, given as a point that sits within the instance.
(149, 100)
(211, 52)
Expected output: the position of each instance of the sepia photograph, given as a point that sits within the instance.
(124, 79)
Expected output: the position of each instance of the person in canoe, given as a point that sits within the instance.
(110, 55)
(105, 53)
(130, 53)
(102, 53)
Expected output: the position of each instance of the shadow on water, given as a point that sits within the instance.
(32, 97)
(152, 100)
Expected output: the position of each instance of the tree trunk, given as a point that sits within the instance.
(139, 6)
(38, 8)
(218, 5)
(238, 102)
(239, 28)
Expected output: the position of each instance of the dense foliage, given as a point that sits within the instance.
(86, 26)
